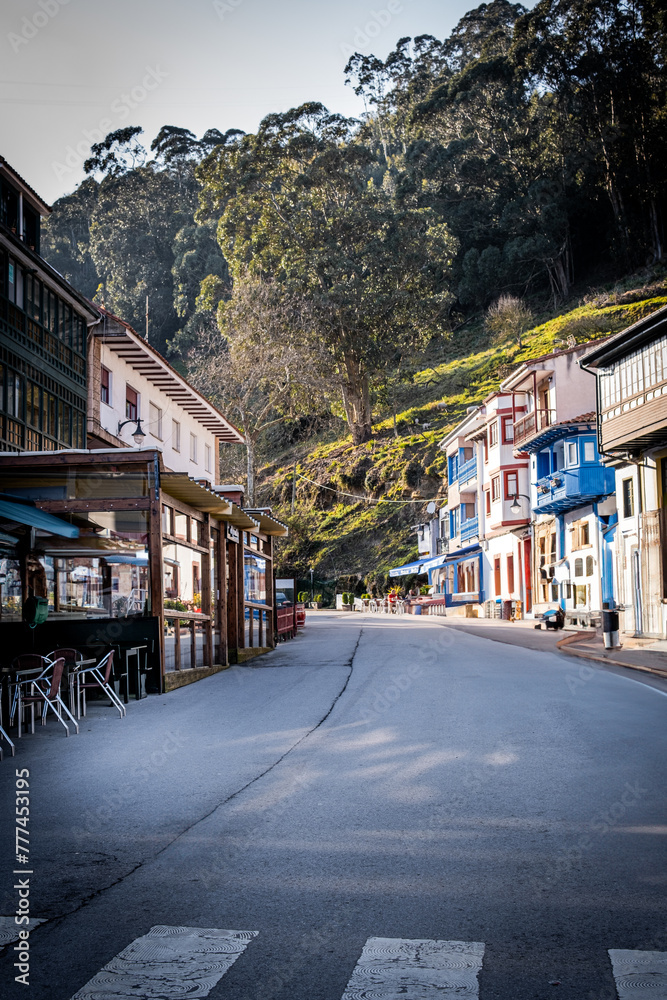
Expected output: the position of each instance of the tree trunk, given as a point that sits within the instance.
(250, 457)
(356, 399)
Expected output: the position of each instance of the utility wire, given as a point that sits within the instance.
(364, 499)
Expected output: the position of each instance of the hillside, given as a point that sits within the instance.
(397, 473)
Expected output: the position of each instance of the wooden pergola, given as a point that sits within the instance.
(141, 522)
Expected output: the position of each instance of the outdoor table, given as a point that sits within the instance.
(135, 651)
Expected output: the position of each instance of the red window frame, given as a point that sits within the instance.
(131, 404)
(493, 433)
(105, 385)
(508, 425)
(488, 501)
(512, 474)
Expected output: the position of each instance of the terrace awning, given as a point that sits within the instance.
(36, 518)
(409, 569)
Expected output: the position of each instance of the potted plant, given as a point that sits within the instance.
(317, 600)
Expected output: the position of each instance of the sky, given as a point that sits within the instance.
(74, 70)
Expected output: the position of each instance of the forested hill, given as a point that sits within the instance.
(311, 272)
(343, 528)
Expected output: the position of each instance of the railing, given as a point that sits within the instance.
(530, 425)
(468, 470)
(469, 528)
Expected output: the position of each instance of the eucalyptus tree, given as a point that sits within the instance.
(301, 202)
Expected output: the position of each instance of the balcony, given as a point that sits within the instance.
(468, 471)
(531, 425)
(469, 529)
(573, 487)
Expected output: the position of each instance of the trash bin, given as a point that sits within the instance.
(418, 609)
(610, 629)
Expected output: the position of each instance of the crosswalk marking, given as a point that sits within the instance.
(400, 969)
(168, 961)
(639, 973)
(9, 929)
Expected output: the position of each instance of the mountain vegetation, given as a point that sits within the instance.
(316, 276)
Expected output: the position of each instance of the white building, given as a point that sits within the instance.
(130, 381)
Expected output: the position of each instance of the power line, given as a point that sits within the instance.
(364, 499)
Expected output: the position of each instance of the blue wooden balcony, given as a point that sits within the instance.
(469, 528)
(468, 471)
(573, 487)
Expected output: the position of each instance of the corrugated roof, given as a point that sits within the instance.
(269, 524)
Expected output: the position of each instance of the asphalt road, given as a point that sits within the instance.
(376, 777)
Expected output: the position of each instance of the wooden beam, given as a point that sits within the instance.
(81, 506)
(155, 575)
(206, 596)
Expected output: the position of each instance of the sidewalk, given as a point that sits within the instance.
(636, 654)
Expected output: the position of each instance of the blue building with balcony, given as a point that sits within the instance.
(570, 483)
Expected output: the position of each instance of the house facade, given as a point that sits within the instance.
(487, 530)
(630, 372)
(130, 381)
(572, 493)
(43, 332)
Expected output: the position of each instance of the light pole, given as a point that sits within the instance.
(312, 591)
(138, 435)
(515, 506)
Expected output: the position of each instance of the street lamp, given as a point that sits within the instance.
(515, 506)
(138, 435)
(312, 589)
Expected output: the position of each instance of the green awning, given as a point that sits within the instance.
(36, 518)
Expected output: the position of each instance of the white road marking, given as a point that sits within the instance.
(639, 974)
(400, 969)
(168, 962)
(9, 929)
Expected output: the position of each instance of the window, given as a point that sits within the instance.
(508, 430)
(580, 534)
(207, 457)
(193, 447)
(493, 434)
(105, 386)
(579, 567)
(181, 527)
(155, 420)
(487, 494)
(571, 448)
(589, 565)
(511, 484)
(589, 451)
(510, 574)
(628, 498)
(131, 404)
(167, 520)
(175, 435)
(495, 488)
(454, 521)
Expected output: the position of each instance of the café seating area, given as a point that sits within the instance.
(58, 685)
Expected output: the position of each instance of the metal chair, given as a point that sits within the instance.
(71, 657)
(26, 663)
(99, 680)
(44, 689)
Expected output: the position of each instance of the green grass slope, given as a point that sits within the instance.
(359, 521)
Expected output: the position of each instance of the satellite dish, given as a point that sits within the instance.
(431, 507)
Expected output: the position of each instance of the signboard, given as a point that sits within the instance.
(233, 534)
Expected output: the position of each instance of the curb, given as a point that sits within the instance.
(563, 645)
